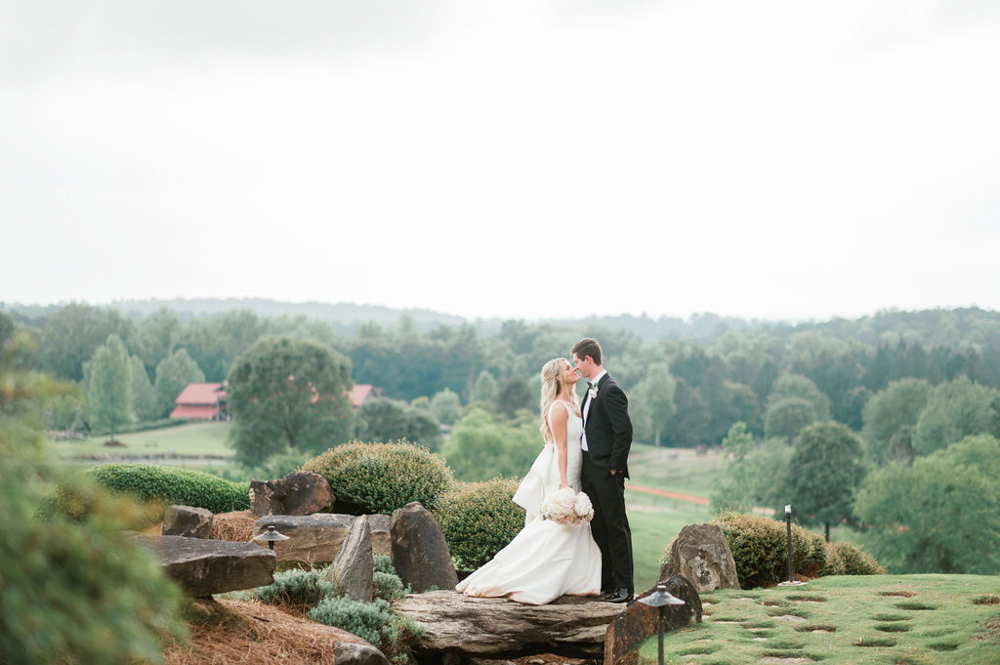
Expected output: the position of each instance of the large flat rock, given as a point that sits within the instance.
(315, 540)
(204, 567)
(499, 628)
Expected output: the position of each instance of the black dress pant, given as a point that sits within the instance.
(610, 524)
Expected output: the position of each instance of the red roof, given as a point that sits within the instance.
(198, 412)
(201, 393)
(360, 393)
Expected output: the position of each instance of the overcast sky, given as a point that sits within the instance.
(510, 158)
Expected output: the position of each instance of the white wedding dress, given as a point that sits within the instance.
(546, 559)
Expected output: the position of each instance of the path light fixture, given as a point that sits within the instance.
(271, 536)
(660, 599)
(791, 571)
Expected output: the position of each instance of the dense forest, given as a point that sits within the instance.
(689, 381)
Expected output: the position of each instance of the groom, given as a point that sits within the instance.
(607, 437)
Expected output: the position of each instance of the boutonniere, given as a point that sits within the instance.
(592, 391)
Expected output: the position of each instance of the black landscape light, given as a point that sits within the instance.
(791, 571)
(270, 536)
(660, 599)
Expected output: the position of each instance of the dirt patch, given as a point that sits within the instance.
(114, 444)
(227, 632)
(236, 526)
(898, 594)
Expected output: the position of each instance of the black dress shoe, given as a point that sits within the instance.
(619, 596)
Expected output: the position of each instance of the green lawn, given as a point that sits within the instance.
(674, 469)
(171, 446)
(845, 620)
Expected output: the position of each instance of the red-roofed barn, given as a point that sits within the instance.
(201, 401)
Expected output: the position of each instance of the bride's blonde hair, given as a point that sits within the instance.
(552, 383)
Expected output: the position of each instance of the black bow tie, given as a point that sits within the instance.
(590, 384)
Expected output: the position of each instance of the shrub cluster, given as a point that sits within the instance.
(147, 482)
(373, 621)
(372, 478)
(759, 546)
(478, 520)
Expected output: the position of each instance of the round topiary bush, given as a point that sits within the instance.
(760, 548)
(855, 561)
(183, 487)
(478, 520)
(372, 478)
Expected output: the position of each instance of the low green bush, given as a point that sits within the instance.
(371, 478)
(760, 549)
(382, 563)
(478, 520)
(388, 586)
(373, 621)
(148, 482)
(856, 561)
(296, 587)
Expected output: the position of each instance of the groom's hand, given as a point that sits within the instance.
(614, 471)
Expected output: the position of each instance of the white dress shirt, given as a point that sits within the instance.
(586, 409)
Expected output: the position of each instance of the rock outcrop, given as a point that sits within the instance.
(639, 621)
(497, 628)
(204, 567)
(351, 570)
(419, 551)
(701, 554)
(187, 521)
(314, 540)
(298, 493)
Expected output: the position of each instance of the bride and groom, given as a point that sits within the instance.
(586, 448)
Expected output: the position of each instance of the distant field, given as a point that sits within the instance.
(172, 446)
(674, 469)
(652, 529)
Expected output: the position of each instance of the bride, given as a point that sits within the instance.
(546, 559)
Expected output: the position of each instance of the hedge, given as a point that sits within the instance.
(173, 486)
(478, 520)
(378, 478)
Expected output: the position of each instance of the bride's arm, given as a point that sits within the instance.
(557, 421)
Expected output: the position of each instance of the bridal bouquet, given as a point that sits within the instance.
(565, 507)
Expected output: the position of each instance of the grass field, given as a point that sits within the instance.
(845, 620)
(171, 446)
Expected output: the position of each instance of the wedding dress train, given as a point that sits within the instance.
(546, 559)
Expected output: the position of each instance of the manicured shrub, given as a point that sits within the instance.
(856, 561)
(370, 621)
(760, 548)
(388, 586)
(296, 587)
(370, 478)
(172, 486)
(478, 520)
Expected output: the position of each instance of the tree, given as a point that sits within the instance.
(485, 388)
(651, 403)
(482, 448)
(145, 404)
(71, 336)
(820, 479)
(786, 417)
(954, 411)
(446, 406)
(110, 386)
(173, 374)
(288, 393)
(387, 420)
(889, 412)
(940, 515)
(157, 335)
(515, 395)
(799, 387)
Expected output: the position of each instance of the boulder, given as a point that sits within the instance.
(349, 653)
(638, 622)
(187, 521)
(351, 570)
(497, 628)
(314, 540)
(419, 551)
(701, 554)
(204, 567)
(298, 493)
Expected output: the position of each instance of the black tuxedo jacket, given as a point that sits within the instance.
(608, 427)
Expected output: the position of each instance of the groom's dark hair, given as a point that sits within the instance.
(588, 346)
